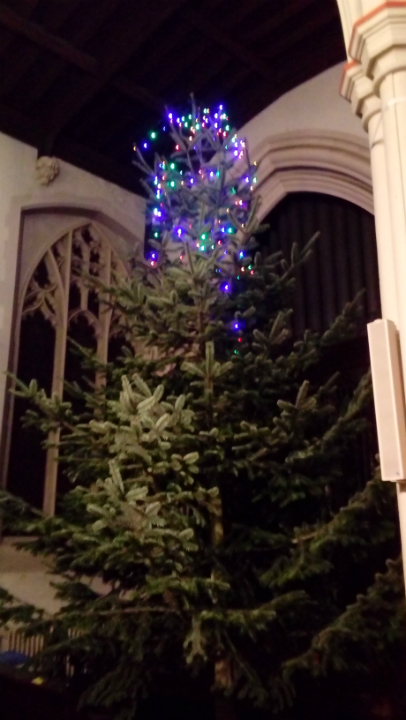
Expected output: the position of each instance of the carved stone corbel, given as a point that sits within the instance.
(46, 169)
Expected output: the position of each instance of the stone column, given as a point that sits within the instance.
(375, 83)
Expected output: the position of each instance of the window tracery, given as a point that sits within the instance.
(59, 290)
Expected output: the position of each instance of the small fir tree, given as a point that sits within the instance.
(216, 525)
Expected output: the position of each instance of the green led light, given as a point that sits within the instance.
(183, 118)
(203, 237)
(172, 166)
(153, 135)
(172, 184)
(227, 128)
(197, 126)
(202, 248)
(236, 352)
(156, 234)
(186, 125)
(230, 230)
(249, 267)
(190, 117)
(238, 277)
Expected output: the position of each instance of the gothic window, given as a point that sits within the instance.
(58, 304)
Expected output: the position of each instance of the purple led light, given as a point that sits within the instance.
(145, 145)
(236, 326)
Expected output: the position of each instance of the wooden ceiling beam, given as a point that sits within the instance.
(208, 73)
(47, 40)
(219, 36)
(276, 20)
(132, 29)
(276, 49)
(137, 92)
(170, 43)
(33, 83)
(233, 80)
(110, 138)
(74, 56)
(302, 31)
(22, 58)
(330, 51)
(257, 97)
(8, 35)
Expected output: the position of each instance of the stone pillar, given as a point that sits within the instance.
(375, 82)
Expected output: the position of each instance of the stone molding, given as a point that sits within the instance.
(378, 41)
(314, 161)
(359, 90)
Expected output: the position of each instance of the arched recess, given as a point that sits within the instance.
(343, 266)
(343, 263)
(333, 163)
(52, 291)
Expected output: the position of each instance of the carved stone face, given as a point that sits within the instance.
(46, 169)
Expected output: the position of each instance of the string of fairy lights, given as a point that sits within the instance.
(205, 147)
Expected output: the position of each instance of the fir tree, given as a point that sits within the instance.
(213, 495)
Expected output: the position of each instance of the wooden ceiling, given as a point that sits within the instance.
(84, 79)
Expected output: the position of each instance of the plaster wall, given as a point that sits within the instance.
(310, 140)
(315, 105)
(23, 199)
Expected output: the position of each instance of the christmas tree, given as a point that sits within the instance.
(216, 527)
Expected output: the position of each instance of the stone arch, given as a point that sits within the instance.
(41, 224)
(55, 248)
(307, 160)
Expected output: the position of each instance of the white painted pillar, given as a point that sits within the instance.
(375, 82)
(359, 90)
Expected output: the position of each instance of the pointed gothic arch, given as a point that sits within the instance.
(328, 162)
(55, 295)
